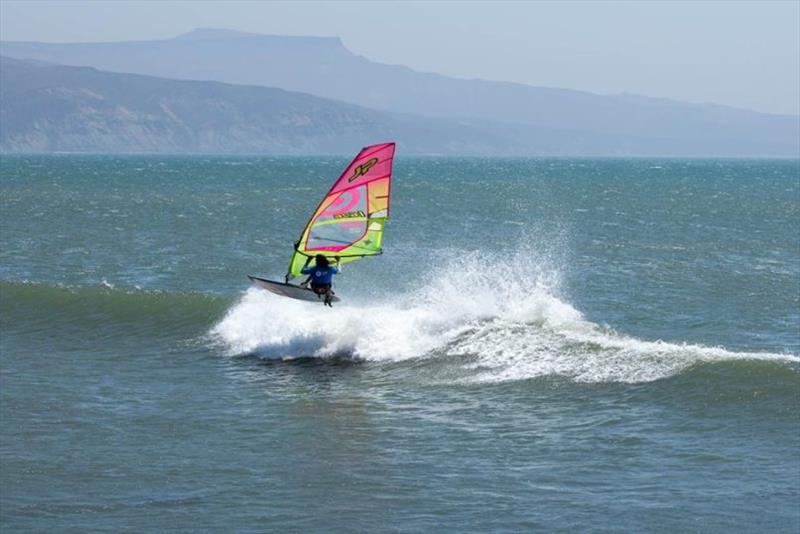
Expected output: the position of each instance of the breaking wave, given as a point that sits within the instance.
(494, 325)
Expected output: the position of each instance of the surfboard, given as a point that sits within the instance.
(289, 290)
(347, 224)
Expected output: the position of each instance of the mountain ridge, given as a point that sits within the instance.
(324, 67)
(528, 120)
(56, 108)
(212, 34)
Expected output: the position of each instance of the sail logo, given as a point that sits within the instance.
(362, 169)
(349, 215)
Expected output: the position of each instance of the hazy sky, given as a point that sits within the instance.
(744, 54)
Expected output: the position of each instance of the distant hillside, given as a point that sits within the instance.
(48, 108)
(322, 66)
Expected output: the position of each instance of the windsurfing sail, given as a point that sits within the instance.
(350, 219)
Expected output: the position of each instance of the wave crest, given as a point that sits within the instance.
(498, 320)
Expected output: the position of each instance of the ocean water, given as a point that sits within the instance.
(545, 345)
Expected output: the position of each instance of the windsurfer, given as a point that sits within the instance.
(321, 277)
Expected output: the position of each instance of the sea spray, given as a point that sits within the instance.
(470, 288)
(503, 318)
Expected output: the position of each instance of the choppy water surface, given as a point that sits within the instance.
(546, 344)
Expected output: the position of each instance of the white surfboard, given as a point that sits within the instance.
(289, 290)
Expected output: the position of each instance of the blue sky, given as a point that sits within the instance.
(743, 54)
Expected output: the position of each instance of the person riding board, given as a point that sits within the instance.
(320, 276)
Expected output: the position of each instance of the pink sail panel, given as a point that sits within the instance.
(371, 163)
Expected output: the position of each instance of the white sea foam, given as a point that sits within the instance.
(499, 320)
